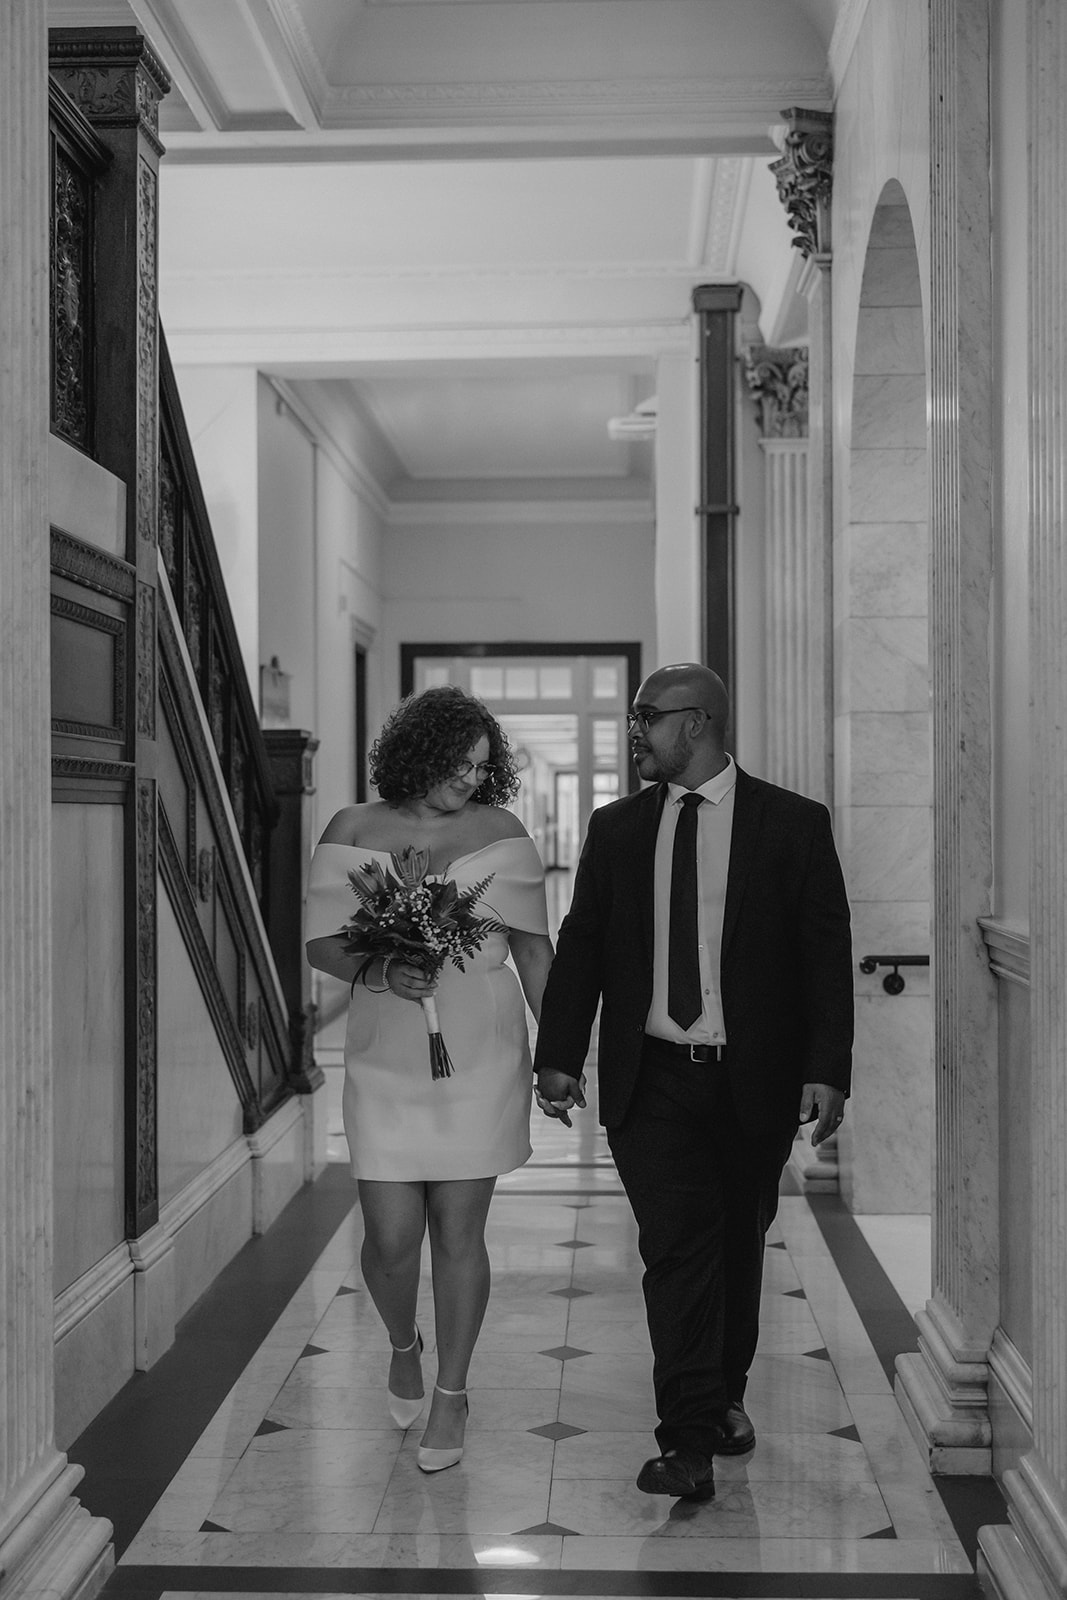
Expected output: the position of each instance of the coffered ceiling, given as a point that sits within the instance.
(485, 217)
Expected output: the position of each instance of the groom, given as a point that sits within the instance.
(709, 918)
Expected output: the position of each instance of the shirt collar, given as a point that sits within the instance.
(715, 789)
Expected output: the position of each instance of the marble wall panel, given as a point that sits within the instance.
(886, 1149)
(888, 569)
(890, 277)
(88, 1033)
(892, 230)
(92, 1362)
(888, 485)
(889, 758)
(1013, 1438)
(887, 852)
(1016, 1167)
(198, 1109)
(211, 1238)
(889, 410)
(889, 339)
(884, 664)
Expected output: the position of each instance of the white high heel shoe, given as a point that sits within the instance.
(405, 1413)
(431, 1460)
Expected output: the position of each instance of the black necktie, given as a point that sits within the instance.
(683, 958)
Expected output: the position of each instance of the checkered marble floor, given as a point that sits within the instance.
(301, 1467)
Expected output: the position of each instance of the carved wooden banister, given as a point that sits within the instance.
(187, 548)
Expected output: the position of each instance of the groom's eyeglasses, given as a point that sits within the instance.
(645, 719)
(484, 770)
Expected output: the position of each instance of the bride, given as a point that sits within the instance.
(426, 1153)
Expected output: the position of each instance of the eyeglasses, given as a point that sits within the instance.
(645, 719)
(484, 770)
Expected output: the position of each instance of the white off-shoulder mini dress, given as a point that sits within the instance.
(402, 1124)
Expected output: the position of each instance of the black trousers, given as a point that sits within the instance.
(704, 1194)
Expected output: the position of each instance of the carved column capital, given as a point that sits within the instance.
(778, 383)
(112, 74)
(804, 177)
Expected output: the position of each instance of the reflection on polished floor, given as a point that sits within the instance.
(295, 1480)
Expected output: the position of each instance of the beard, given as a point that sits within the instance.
(665, 765)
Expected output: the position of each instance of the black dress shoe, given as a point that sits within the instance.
(738, 1434)
(683, 1473)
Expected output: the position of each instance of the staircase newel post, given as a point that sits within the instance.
(116, 80)
(292, 752)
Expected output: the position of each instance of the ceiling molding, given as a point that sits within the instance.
(850, 19)
(270, 22)
(289, 20)
(705, 102)
(510, 513)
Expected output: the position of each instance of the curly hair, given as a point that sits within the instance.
(426, 738)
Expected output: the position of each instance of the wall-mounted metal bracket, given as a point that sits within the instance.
(892, 983)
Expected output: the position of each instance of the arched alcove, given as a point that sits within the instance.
(883, 724)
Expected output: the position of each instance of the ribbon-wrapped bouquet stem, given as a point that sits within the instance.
(411, 916)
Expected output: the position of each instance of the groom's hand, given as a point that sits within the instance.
(556, 1092)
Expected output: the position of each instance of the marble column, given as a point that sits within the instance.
(1030, 1557)
(678, 577)
(944, 1388)
(47, 1540)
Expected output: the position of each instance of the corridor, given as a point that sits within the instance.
(257, 1456)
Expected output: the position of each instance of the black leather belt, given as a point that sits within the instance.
(702, 1054)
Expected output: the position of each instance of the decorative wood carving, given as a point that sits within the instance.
(176, 733)
(169, 512)
(90, 567)
(146, 660)
(113, 75)
(205, 877)
(147, 353)
(145, 1186)
(778, 382)
(804, 177)
(81, 781)
(71, 298)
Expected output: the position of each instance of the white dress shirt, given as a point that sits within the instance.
(715, 820)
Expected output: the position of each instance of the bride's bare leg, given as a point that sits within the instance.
(457, 1212)
(394, 1222)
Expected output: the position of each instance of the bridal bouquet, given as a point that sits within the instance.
(407, 915)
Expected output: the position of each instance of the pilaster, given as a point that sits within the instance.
(47, 1540)
(943, 1388)
(1030, 1558)
(804, 178)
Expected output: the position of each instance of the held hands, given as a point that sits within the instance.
(557, 1092)
(818, 1099)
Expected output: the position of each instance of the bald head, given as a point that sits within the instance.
(689, 683)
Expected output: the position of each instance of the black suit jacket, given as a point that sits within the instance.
(786, 967)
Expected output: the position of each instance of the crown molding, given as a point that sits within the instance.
(516, 513)
(846, 32)
(549, 272)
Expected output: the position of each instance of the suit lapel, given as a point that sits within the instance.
(652, 802)
(748, 806)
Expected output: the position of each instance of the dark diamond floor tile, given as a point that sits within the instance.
(883, 1533)
(346, 1289)
(313, 1350)
(851, 1432)
(778, 1245)
(544, 1527)
(570, 1294)
(574, 1244)
(557, 1430)
(267, 1426)
(794, 1294)
(817, 1355)
(213, 1527)
(564, 1352)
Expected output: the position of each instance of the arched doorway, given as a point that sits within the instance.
(884, 734)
